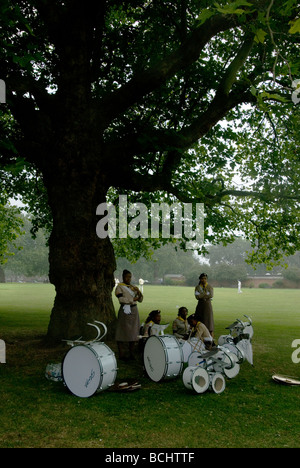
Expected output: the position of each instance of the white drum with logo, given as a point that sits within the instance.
(89, 368)
(163, 357)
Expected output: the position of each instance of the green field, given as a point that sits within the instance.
(253, 411)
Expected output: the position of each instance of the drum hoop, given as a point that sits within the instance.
(165, 352)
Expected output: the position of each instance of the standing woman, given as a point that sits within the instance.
(128, 325)
(204, 293)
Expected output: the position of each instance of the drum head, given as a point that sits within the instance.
(81, 371)
(155, 358)
(196, 359)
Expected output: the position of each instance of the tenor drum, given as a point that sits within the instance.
(196, 378)
(163, 357)
(233, 368)
(226, 362)
(216, 382)
(233, 349)
(89, 368)
(196, 359)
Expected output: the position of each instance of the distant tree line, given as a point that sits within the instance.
(29, 259)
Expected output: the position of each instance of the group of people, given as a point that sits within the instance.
(199, 325)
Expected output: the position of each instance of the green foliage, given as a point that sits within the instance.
(30, 253)
(215, 125)
(10, 228)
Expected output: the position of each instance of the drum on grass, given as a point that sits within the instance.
(88, 369)
(196, 359)
(196, 378)
(163, 357)
(216, 382)
(232, 348)
(231, 367)
(226, 362)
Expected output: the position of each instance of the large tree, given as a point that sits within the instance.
(153, 98)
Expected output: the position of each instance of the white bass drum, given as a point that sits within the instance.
(89, 368)
(163, 357)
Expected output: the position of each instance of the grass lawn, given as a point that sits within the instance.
(253, 411)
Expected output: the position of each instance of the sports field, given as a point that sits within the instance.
(253, 411)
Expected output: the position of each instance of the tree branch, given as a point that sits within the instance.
(218, 108)
(235, 66)
(149, 80)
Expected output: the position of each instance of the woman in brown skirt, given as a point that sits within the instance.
(204, 293)
(128, 325)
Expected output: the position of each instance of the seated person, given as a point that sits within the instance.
(200, 331)
(153, 318)
(181, 327)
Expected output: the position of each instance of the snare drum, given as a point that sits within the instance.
(89, 368)
(163, 357)
(196, 378)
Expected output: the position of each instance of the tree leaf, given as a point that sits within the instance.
(295, 28)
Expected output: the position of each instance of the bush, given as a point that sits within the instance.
(279, 284)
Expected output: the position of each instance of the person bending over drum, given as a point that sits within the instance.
(128, 325)
(200, 331)
(181, 327)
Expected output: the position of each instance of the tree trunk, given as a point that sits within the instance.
(81, 265)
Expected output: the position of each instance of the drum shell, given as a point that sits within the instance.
(196, 378)
(89, 368)
(163, 357)
(186, 350)
(217, 382)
